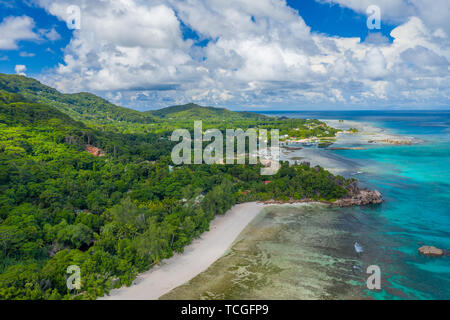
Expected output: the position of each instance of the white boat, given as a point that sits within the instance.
(358, 248)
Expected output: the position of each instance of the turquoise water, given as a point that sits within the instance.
(415, 183)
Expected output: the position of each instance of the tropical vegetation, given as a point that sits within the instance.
(84, 182)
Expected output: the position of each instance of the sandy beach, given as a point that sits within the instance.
(224, 230)
(196, 258)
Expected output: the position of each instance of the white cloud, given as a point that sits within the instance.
(374, 64)
(50, 34)
(259, 52)
(123, 45)
(25, 54)
(15, 29)
(20, 69)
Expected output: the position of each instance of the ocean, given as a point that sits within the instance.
(307, 252)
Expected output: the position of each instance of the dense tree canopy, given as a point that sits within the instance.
(117, 214)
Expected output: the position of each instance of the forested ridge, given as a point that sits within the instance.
(120, 213)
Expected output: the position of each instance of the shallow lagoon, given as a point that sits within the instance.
(306, 252)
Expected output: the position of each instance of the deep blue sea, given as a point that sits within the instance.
(415, 183)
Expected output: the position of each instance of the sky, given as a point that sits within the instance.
(239, 54)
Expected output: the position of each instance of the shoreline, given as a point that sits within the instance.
(225, 230)
(367, 137)
(204, 251)
(197, 257)
(361, 197)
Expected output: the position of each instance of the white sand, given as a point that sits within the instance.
(196, 258)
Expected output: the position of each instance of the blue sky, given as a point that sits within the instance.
(47, 53)
(286, 55)
(335, 20)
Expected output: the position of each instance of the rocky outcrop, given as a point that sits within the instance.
(356, 196)
(430, 251)
(392, 141)
(362, 197)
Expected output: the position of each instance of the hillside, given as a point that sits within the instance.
(30, 124)
(89, 107)
(15, 109)
(80, 106)
(191, 111)
(101, 115)
(73, 192)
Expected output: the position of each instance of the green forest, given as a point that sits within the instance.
(123, 208)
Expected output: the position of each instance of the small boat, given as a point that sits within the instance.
(358, 248)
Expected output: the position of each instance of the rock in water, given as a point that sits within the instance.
(431, 251)
(358, 248)
(361, 198)
(356, 269)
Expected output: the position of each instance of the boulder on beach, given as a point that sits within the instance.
(431, 251)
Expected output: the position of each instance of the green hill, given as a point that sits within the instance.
(87, 183)
(50, 124)
(89, 107)
(80, 106)
(191, 111)
(15, 109)
(97, 113)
